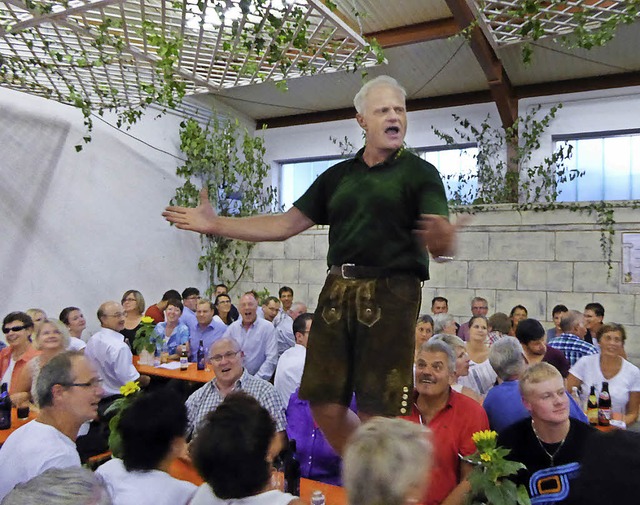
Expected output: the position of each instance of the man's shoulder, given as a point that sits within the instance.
(515, 432)
(467, 406)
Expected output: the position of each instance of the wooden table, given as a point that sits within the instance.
(15, 424)
(190, 374)
(334, 495)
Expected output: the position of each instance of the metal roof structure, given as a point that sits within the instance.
(445, 52)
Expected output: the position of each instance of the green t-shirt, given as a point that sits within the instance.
(372, 211)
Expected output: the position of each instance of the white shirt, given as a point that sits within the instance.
(32, 449)
(152, 487)
(289, 371)
(75, 344)
(205, 496)
(587, 369)
(113, 360)
(8, 373)
(284, 333)
(258, 344)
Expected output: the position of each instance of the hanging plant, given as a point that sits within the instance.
(229, 161)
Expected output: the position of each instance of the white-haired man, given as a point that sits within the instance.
(385, 208)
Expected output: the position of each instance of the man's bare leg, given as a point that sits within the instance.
(337, 423)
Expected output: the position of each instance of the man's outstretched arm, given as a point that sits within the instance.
(262, 228)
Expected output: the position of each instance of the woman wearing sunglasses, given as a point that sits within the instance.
(17, 327)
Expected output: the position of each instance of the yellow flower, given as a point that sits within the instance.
(485, 457)
(147, 320)
(484, 436)
(129, 388)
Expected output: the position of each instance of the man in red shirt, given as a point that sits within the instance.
(452, 417)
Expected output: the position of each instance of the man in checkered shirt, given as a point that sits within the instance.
(226, 357)
(571, 341)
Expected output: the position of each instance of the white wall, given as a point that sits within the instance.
(81, 228)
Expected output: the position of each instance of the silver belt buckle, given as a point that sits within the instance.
(344, 275)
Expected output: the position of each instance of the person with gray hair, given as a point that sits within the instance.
(387, 212)
(387, 461)
(444, 323)
(60, 486)
(452, 417)
(503, 403)
(571, 341)
(462, 365)
(69, 390)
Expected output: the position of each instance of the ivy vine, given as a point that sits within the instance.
(587, 32)
(283, 42)
(491, 182)
(229, 161)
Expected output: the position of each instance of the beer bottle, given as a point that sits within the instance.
(292, 471)
(604, 406)
(592, 407)
(200, 356)
(184, 359)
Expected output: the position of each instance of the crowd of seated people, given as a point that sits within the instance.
(462, 385)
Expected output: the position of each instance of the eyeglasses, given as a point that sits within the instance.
(15, 328)
(220, 302)
(93, 383)
(117, 314)
(217, 358)
(129, 300)
(192, 297)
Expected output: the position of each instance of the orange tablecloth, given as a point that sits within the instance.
(15, 424)
(190, 374)
(334, 495)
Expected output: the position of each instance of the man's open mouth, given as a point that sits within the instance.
(392, 129)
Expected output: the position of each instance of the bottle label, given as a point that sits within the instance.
(592, 414)
(604, 416)
(184, 362)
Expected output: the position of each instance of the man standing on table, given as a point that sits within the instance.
(385, 207)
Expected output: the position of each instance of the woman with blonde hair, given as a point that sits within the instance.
(133, 305)
(50, 339)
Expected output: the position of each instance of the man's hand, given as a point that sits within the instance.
(201, 219)
(437, 234)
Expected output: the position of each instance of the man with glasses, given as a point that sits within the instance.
(479, 307)
(227, 360)
(69, 390)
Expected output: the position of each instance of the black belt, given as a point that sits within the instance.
(351, 271)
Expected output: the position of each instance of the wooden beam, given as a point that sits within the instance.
(436, 102)
(416, 33)
(497, 78)
(439, 102)
(577, 85)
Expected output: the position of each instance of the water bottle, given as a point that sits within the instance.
(156, 357)
(317, 498)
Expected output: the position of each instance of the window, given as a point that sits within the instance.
(297, 176)
(611, 165)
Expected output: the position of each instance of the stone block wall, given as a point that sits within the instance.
(536, 259)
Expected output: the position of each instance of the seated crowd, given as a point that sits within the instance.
(503, 372)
